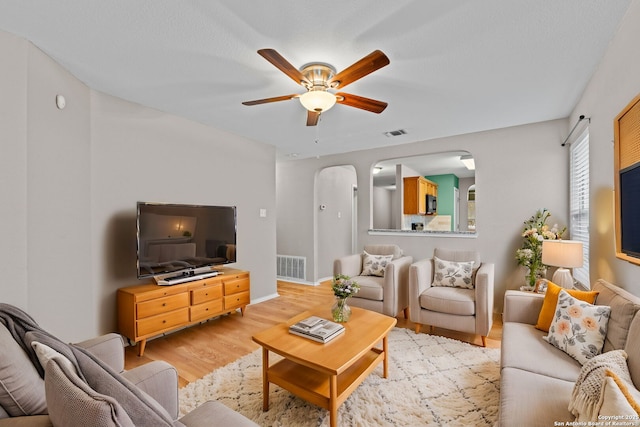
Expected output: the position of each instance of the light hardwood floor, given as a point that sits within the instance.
(198, 350)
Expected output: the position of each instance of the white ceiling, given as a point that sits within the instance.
(456, 66)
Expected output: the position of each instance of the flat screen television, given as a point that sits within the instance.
(179, 238)
(630, 210)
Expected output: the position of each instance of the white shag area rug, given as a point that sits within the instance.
(432, 381)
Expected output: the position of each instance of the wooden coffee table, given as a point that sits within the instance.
(325, 374)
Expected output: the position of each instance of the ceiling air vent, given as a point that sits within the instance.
(395, 133)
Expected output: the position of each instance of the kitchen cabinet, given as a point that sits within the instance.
(416, 189)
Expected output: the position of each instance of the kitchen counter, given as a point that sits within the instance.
(458, 234)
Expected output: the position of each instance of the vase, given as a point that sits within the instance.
(341, 311)
(532, 277)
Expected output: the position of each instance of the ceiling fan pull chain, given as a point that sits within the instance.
(318, 130)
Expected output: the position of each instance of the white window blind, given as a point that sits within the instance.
(579, 202)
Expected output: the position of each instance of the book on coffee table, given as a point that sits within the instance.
(317, 329)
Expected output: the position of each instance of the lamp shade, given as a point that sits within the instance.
(317, 100)
(562, 253)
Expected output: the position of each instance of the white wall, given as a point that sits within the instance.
(74, 179)
(382, 206)
(13, 163)
(45, 255)
(519, 170)
(612, 87)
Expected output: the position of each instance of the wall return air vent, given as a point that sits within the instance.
(291, 267)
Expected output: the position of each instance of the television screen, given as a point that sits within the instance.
(630, 210)
(175, 238)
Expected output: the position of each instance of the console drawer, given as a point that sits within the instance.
(236, 300)
(237, 283)
(162, 305)
(206, 310)
(161, 322)
(209, 293)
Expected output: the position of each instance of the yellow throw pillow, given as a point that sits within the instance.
(551, 300)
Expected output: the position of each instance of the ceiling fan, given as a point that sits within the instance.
(318, 78)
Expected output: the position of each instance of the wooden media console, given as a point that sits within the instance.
(148, 310)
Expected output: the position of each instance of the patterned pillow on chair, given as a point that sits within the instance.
(374, 265)
(452, 274)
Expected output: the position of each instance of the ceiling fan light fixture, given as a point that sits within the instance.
(317, 101)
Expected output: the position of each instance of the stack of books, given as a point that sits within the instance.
(317, 329)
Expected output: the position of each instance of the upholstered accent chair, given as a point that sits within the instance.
(382, 271)
(453, 290)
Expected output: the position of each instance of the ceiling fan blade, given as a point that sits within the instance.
(312, 118)
(283, 65)
(361, 102)
(274, 99)
(370, 63)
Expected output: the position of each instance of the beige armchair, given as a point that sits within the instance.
(456, 308)
(386, 293)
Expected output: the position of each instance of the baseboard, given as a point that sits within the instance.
(263, 299)
(297, 281)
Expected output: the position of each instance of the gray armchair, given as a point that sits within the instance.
(455, 308)
(386, 294)
(62, 398)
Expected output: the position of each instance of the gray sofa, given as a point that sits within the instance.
(63, 399)
(536, 378)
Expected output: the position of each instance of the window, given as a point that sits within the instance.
(579, 202)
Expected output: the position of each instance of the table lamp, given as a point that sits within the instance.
(564, 254)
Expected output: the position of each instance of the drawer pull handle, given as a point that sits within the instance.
(164, 321)
(206, 295)
(164, 304)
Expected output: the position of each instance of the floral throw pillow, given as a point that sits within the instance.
(578, 328)
(452, 274)
(374, 265)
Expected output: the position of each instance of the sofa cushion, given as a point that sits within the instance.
(551, 300)
(30, 421)
(524, 348)
(452, 273)
(371, 287)
(374, 265)
(21, 387)
(624, 307)
(619, 398)
(73, 403)
(578, 327)
(448, 300)
(632, 347)
(212, 410)
(531, 399)
(585, 398)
